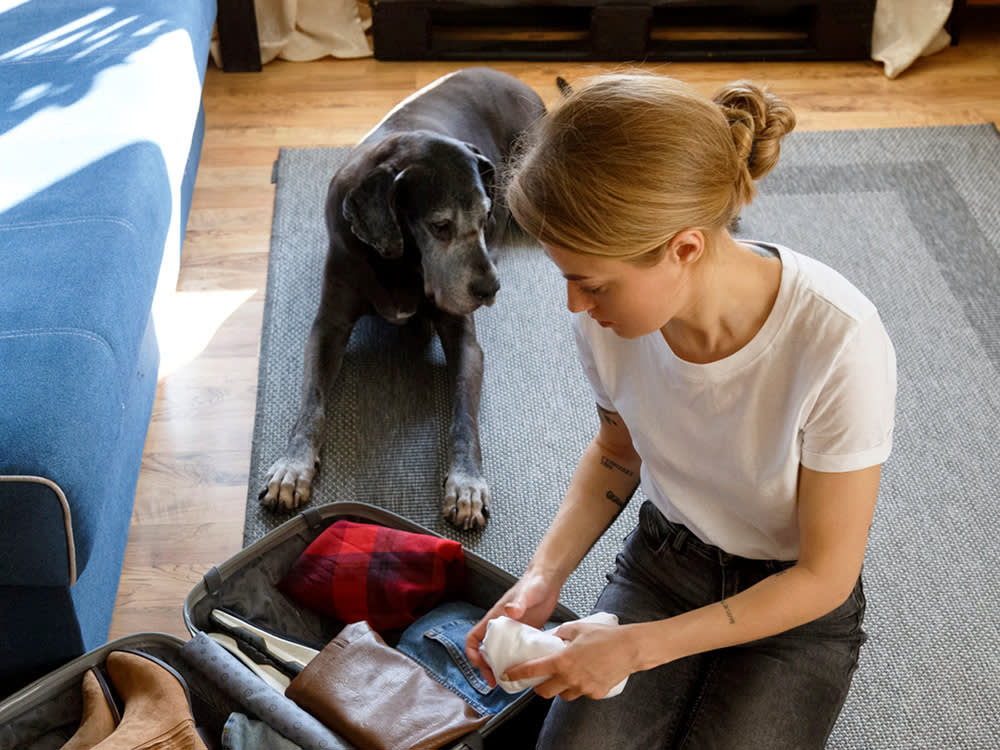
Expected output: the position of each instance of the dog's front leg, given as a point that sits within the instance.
(466, 501)
(288, 482)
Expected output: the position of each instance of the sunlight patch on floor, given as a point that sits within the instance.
(187, 322)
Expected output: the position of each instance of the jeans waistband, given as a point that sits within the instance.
(655, 525)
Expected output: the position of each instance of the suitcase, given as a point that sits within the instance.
(47, 712)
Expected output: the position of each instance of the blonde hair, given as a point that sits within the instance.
(627, 161)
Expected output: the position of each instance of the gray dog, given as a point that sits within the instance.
(412, 218)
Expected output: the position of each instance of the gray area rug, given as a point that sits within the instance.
(909, 215)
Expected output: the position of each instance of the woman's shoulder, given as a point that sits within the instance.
(823, 289)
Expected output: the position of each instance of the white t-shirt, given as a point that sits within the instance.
(721, 443)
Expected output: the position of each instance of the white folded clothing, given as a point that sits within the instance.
(509, 642)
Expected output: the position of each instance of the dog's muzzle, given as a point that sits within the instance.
(484, 291)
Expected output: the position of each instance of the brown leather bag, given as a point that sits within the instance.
(379, 698)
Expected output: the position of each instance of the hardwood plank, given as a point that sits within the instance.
(189, 502)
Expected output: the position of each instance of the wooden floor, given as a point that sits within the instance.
(190, 499)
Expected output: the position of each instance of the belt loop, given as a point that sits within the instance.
(680, 539)
(775, 566)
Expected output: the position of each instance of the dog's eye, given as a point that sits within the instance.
(441, 229)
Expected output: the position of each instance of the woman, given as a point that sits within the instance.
(747, 388)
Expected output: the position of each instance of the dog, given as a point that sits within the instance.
(412, 219)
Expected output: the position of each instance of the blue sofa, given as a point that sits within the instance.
(101, 125)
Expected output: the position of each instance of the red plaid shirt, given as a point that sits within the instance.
(359, 571)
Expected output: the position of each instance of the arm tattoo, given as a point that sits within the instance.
(729, 612)
(616, 500)
(605, 461)
(608, 417)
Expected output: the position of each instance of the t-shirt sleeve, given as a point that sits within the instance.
(850, 426)
(585, 353)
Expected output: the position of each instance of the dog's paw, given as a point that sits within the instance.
(466, 501)
(288, 484)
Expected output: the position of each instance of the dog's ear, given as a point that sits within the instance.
(488, 174)
(370, 209)
(487, 171)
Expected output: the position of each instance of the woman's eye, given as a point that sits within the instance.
(592, 289)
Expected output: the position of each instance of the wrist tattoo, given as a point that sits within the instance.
(605, 461)
(729, 612)
(607, 416)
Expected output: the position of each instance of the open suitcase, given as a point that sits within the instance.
(46, 713)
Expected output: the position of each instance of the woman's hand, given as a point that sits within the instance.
(531, 600)
(608, 473)
(596, 659)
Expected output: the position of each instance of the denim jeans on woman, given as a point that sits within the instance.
(777, 693)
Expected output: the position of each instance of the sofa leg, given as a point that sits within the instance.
(238, 41)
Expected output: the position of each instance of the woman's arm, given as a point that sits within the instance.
(604, 480)
(835, 513)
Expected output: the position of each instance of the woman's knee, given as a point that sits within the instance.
(579, 725)
(645, 715)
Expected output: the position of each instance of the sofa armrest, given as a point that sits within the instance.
(61, 418)
(80, 263)
(36, 533)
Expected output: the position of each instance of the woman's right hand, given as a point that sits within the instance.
(531, 600)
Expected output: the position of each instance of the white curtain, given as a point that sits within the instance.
(307, 30)
(907, 29)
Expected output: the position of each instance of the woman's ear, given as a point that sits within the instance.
(687, 246)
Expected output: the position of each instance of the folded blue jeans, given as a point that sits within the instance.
(437, 642)
(780, 693)
(243, 733)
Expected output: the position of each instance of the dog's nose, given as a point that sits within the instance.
(485, 290)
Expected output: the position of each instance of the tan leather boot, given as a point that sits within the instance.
(100, 714)
(157, 707)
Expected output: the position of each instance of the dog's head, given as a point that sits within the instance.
(432, 194)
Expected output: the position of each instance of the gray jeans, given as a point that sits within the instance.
(243, 733)
(781, 692)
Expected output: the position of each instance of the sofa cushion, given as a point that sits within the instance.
(80, 80)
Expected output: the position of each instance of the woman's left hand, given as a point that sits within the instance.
(596, 659)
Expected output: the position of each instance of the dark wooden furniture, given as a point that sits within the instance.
(574, 30)
(578, 30)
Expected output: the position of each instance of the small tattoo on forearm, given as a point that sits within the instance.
(616, 500)
(729, 612)
(607, 416)
(605, 461)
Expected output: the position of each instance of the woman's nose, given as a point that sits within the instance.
(576, 300)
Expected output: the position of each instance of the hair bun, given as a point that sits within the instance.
(758, 120)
